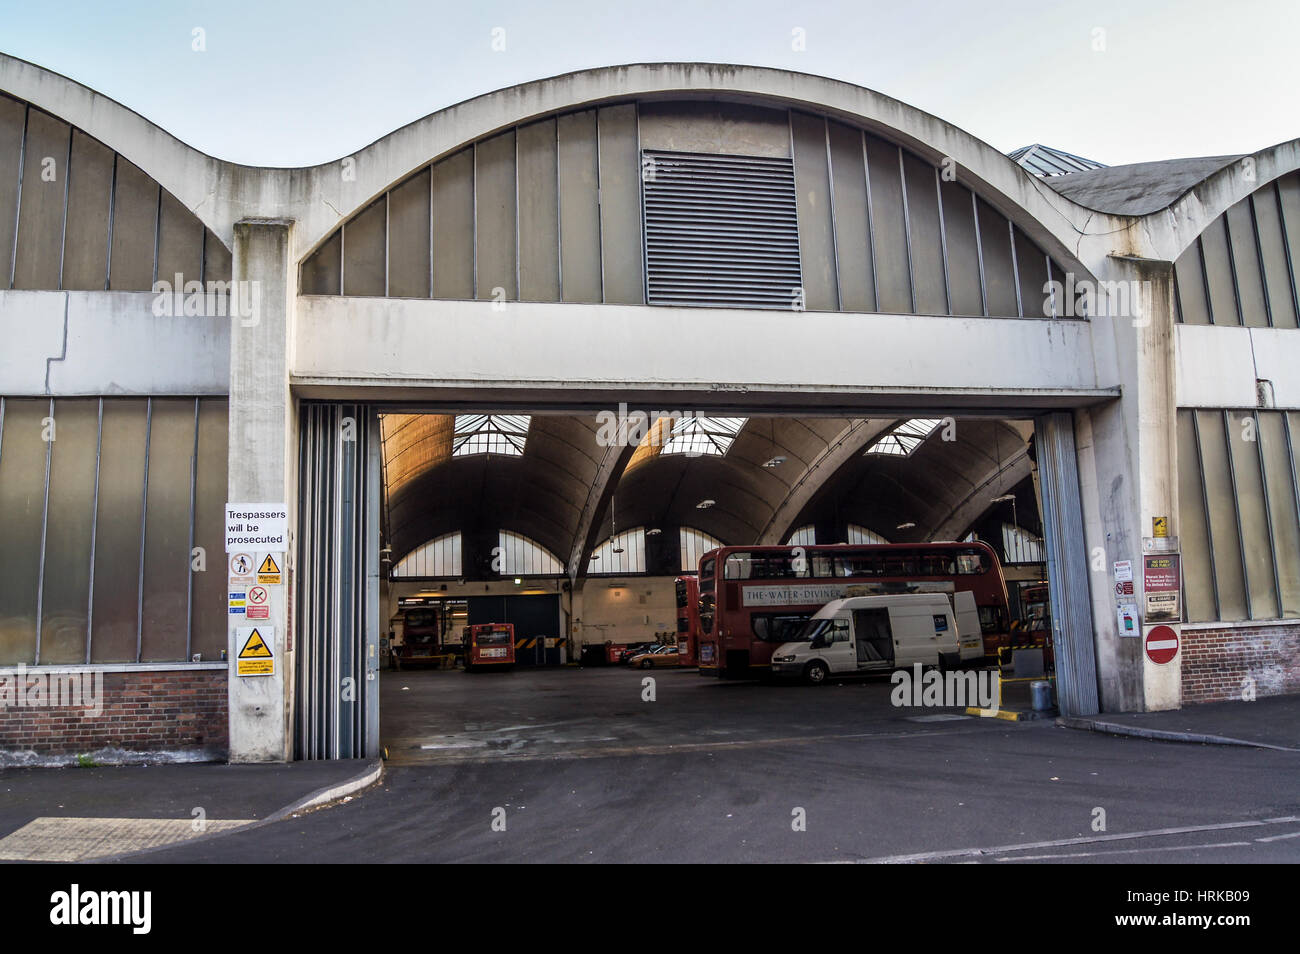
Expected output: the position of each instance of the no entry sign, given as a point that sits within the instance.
(1162, 644)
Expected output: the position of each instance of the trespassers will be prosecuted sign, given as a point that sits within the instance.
(258, 526)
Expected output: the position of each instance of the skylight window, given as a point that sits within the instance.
(503, 434)
(906, 437)
(696, 436)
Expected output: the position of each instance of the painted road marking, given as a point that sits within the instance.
(1067, 842)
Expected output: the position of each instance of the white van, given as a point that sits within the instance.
(862, 634)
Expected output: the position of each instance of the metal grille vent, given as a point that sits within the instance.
(720, 230)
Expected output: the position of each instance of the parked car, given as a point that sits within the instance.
(633, 650)
(663, 656)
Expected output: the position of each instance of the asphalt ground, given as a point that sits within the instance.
(573, 766)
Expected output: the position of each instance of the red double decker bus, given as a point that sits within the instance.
(753, 599)
(688, 619)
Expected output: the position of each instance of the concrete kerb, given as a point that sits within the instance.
(370, 775)
(1161, 735)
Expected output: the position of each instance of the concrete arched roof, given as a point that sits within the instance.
(193, 177)
(1173, 229)
(1049, 218)
(319, 198)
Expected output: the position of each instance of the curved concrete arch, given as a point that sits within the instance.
(853, 440)
(325, 199)
(198, 180)
(1172, 230)
(995, 483)
(319, 198)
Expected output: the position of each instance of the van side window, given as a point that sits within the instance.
(839, 632)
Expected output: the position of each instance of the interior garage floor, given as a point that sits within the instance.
(438, 716)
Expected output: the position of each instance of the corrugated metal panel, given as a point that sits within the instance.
(337, 612)
(1067, 565)
(720, 230)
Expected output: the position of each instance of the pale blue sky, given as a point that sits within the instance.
(299, 83)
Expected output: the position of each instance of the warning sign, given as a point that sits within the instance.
(255, 658)
(1159, 526)
(257, 603)
(241, 568)
(247, 525)
(268, 571)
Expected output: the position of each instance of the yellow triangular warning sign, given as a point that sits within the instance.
(255, 648)
(268, 566)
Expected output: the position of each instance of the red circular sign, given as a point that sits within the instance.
(1162, 644)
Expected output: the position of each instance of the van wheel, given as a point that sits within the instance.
(815, 672)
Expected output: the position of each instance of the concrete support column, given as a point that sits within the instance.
(1128, 468)
(262, 469)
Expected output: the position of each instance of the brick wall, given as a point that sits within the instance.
(142, 711)
(1217, 662)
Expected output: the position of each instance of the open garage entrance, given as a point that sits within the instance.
(570, 529)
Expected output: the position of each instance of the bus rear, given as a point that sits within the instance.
(688, 619)
(490, 646)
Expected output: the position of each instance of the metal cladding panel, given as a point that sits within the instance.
(721, 230)
(889, 225)
(1252, 515)
(579, 173)
(1190, 279)
(620, 207)
(1031, 266)
(857, 277)
(23, 470)
(70, 514)
(1067, 565)
(180, 242)
(963, 253)
(135, 225)
(40, 214)
(208, 603)
(124, 449)
(1225, 534)
(1245, 265)
(85, 241)
(321, 273)
(164, 595)
(1273, 255)
(408, 238)
(1288, 193)
(336, 640)
(731, 129)
(925, 237)
(494, 211)
(453, 226)
(217, 261)
(1193, 530)
(539, 213)
(1280, 476)
(815, 211)
(999, 274)
(12, 118)
(363, 251)
(1218, 272)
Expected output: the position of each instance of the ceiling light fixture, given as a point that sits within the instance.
(705, 504)
(905, 526)
(774, 462)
